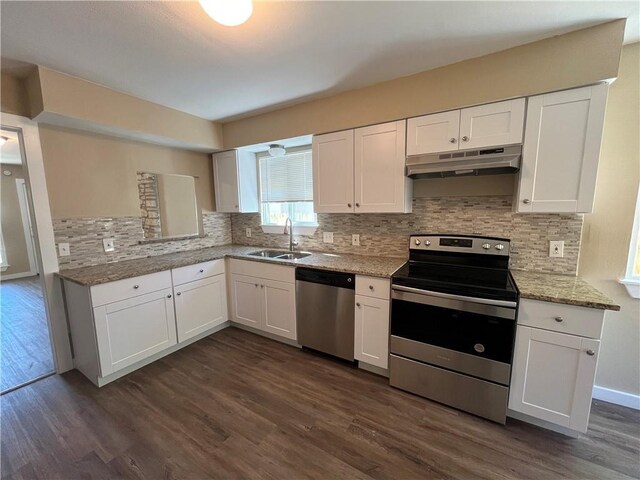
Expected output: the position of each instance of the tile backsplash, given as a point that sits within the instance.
(387, 234)
(380, 234)
(85, 235)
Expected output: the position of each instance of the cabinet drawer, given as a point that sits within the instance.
(264, 270)
(373, 287)
(585, 322)
(191, 273)
(129, 287)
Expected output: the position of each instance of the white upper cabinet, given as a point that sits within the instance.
(235, 176)
(483, 126)
(433, 133)
(491, 125)
(561, 151)
(332, 156)
(361, 170)
(380, 183)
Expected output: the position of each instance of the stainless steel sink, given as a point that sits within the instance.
(280, 254)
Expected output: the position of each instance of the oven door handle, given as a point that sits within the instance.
(450, 296)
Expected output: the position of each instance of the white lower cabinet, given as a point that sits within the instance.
(263, 297)
(133, 329)
(553, 372)
(200, 305)
(372, 331)
(371, 339)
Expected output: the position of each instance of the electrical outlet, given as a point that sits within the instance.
(247, 232)
(327, 237)
(64, 250)
(556, 248)
(355, 240)
(108, 244)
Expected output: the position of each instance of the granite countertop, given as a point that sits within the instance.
(567, 289)
(374, 266)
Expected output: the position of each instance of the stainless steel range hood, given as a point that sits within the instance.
(490, 161)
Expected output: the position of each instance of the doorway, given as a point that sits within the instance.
(25, 344)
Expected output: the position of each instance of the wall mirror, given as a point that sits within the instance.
(169, 206)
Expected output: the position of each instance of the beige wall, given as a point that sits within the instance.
(60, 99)
(12, 227)
(178, 213)
(90, 175)
(607, 231)
(577, 58)
(13, 95)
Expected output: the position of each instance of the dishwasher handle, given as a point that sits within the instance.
(326, 277)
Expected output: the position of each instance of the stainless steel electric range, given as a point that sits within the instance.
(453, 323)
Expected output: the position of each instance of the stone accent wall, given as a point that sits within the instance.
(85, 235)
(387, 234)
(149, 205)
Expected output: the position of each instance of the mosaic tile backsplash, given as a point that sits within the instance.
(380, 234)
(387, 234)
(85, 235)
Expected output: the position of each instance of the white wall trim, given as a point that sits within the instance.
(14, 276)
(615, 396)
(31, 150)
(25, 215)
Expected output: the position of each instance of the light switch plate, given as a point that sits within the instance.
(108, 244)
(247, 232)
(327, 237)
(556, 248)
(355, 240)
(64, 250)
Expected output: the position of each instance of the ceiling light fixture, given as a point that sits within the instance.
(3, 140)
(276, 150)
(228, 12)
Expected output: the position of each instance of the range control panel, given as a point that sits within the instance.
(460, 244)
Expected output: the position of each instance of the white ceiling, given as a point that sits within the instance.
(173, 54)
(10, 150)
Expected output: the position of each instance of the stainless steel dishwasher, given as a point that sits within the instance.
(325, 310)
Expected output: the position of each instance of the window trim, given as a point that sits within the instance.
(304, 229)
(631, 281)
(4, 263)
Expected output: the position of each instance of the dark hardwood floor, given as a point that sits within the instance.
(25, 348)
(236, 405)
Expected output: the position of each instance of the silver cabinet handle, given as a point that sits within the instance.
(136, 286)
(371, 287)
(349, 205)
(559, 319)
(358, 305)
(357, 204)
(261, 286)
(452, 140)
(591, 353)
(526, 201)
(465, 139)
(256, 284)
(169, 296)
(201, 270)
(179, 293)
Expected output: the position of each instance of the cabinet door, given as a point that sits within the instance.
(200, 305)
(332, 156)
(492, 125)
(433, 133)
(561, 151)
(372, 331)
(246, 301)
(134, 329)
(553, 375)
(380, 182)
(279, 308)
(225, 176)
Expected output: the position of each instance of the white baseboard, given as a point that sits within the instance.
(14, 276)
(615, 396)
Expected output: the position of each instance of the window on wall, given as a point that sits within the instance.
(631, 279)
(3, 254)
(286, 188)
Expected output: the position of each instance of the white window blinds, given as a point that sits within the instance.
(287, 178)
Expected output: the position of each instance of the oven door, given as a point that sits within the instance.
(468, 335)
